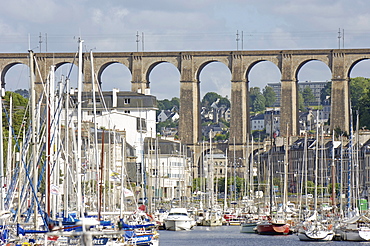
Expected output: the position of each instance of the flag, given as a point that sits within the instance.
(54, 189)
(127, 192)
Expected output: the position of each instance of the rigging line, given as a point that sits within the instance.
(73, 62)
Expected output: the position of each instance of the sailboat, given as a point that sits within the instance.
(276, 224)
(356, 227)
(213, 216)
(313, 229)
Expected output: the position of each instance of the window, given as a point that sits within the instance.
(127, 101)
(140, 124)
(127, 111)
(154, 172)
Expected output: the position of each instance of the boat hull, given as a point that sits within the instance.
(178, 225)
(212, 222)
(248, 227)
(268, 228)
(315, 236)
(355, 235)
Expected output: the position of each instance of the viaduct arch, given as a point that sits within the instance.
(190, 64)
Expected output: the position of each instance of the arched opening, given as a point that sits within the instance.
(263, 73)
(164, 81)
(314, 70)
(215, 104)
(360, 69)
(17, 78)
(116, 75)
(359, 86)
(67, 70)
(314, 83)
(264, 94)
(215, 77)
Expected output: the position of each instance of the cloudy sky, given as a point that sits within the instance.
(184, 25)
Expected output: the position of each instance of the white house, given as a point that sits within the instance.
(127, 111)
(258, 122)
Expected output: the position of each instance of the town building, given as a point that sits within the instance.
(316, 87)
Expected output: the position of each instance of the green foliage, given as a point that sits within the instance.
(301, 106)
(198, 183)
(167, 124)
(360, 100)
(224, 101)
(223, 121)
(308, 96)
(358, 88)
(212, 97)
(230, 183)
(270, 96)
(209, 98)
(19, 117)
(325, 92)
(337, 188)
(259, 135)
(257, 101)
(310, 187)
(167, 104)
(219, 137)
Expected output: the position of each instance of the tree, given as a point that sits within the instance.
(364, 110)
(19, 118)
(210, 98)
(358, 88)
(164, 104)
(175, 102)
(325, 92)
(224, 101)
(308, 96)
(301, 102)
(259, 103)
(310, 187)
(256, 99)
(270, 96)
(360, 100)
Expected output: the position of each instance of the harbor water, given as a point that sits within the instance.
(231, 236)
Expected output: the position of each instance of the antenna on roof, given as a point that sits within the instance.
(237, 39)
(339, 37)
(142, 41)
(137, 41)
(40, 41)
(242, 41)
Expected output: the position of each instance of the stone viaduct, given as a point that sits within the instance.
(190, 64)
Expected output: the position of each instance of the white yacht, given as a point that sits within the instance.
(178, 219)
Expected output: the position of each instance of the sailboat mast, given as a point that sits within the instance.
(33, 130)
(349, 187)
(66, 142)
(96, 153)
(79, 134)
(333, 172)
(251, 181)
(270, 164)
(1, 153)
(286, 163)
(226, 164)
(123, 156)
(9, 151)
(316, 158)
